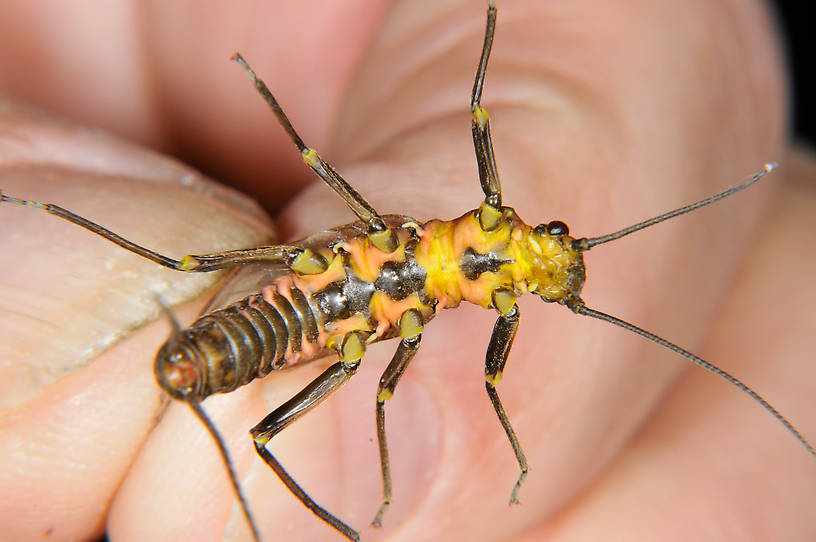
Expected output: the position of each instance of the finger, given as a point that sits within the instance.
(526, 127)
(72, 420)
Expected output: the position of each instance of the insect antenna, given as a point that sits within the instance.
(586, 243)
(578, 307)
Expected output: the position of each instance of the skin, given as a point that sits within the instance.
(601, 116)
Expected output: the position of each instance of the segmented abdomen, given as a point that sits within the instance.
(251, 338)
(285, 318)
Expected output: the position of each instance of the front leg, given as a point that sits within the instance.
(490, 212)
(410, 324)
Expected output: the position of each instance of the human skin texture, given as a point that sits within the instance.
(602, 114)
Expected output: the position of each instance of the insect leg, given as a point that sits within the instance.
(298, 259)
(490, 211)
(380, 235)
(500, 342)
(411, 331)
(351, 352)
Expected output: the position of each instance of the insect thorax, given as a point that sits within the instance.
(465, 263)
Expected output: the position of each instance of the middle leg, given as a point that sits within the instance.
(351, 351)
(410, 324)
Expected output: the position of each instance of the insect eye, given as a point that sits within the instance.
(540, 230)
(556, 227)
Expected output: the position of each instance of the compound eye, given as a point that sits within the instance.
(556, 227)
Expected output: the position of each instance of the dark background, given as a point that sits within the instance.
(797, 30)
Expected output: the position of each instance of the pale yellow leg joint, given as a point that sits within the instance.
(480, 117)
(489, 217)
(352, 347)
(504, 301)
(384, 240)
(310, 157)
(410, 324)
(309, 263)
(187, 263)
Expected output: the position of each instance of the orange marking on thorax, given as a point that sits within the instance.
(387, 311)
(310, 284)
(338, 328)
(366, 259)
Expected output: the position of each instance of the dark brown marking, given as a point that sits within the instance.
(400, 279)
(474, 264)
(307, 318)
(292, 321)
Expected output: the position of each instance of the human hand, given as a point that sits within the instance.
(601, 116)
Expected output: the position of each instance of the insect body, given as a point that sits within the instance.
(365, 290)
(358, 294)
(383, 276)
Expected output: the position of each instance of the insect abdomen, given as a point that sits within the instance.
(230, 347)
(294, 318)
